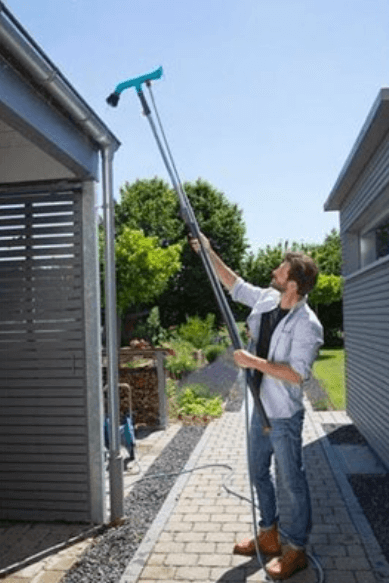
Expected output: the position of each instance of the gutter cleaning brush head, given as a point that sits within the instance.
(113, 99)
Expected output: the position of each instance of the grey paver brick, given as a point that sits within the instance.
(181, 559)
(221, 537)
(348, 528)
(325, 528)
(224, 517)
(196, 517)
(156, 559)
(353, 564)
(201, 547)
(233, 575)
(224, 548)
(339, 577)
(178, 526)
(165, 537)
(238, 560)
(205, 526)
(330, 550)
(185, 508)
(192, 573)
(327, 562)
(190, 537)
(365, 577)
(214, 560)
(169, 547)
(319, 539)
(158, 572)
(355, 550)
(208, 502)
(245, 518)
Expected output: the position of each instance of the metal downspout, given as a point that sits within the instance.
(115, 460)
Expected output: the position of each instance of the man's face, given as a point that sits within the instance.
(280, 277)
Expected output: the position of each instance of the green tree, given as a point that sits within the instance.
(153, 206)
(326, 297)
(143, 268)
(328, 289)
(329, 254)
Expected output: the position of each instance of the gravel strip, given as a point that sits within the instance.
(111, 552)
(372, 492)
(344, 434)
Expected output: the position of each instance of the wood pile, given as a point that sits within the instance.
(142, 400)
(144, 394)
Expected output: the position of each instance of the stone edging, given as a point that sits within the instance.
(137, 563)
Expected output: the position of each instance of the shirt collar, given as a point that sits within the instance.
(296, 306)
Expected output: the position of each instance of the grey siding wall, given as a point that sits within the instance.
(366, 320)
(43, 411)
(371, 183)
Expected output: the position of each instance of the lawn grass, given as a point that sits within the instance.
(329, 370)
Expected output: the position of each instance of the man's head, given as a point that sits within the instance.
(297, 271)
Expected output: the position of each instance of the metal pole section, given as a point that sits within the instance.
(115, 459)
(190, 219)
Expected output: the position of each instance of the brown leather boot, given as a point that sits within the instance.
(292, 560)
(268, 543)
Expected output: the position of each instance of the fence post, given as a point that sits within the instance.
(161, 389)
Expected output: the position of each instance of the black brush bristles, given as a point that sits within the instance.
(113, 99)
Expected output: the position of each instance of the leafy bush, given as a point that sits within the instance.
(212, 351)
(197, 331)
(196, 400)
(152, 329)
(182, 361)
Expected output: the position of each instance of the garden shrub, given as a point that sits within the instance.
(196, 400)
(151, 329)
(197, 331)
(182, 361)
(213, 351)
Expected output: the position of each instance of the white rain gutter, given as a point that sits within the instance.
(31, 57)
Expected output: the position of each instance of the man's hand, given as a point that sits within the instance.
(245, 359)
(195, 243)
(277, 370)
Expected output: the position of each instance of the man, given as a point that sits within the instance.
(286, 336)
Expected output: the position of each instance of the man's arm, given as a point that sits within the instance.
(224, 273)
(278, 370)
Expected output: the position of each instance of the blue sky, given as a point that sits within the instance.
(262, 98)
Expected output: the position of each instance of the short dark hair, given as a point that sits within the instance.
(303, 270)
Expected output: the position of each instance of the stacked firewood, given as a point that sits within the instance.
(138, 371)
(144, 394)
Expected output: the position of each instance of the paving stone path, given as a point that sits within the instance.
(193, 541)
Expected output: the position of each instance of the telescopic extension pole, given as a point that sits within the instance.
(189, 217)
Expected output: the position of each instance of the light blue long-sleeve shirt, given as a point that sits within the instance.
(295, 341)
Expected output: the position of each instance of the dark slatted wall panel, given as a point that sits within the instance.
(43, 439)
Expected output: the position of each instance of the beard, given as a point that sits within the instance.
(277, 286)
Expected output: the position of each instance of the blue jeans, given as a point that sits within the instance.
(285, 442)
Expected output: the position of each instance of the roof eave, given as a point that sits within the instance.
(31, 57)
(371, 135)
